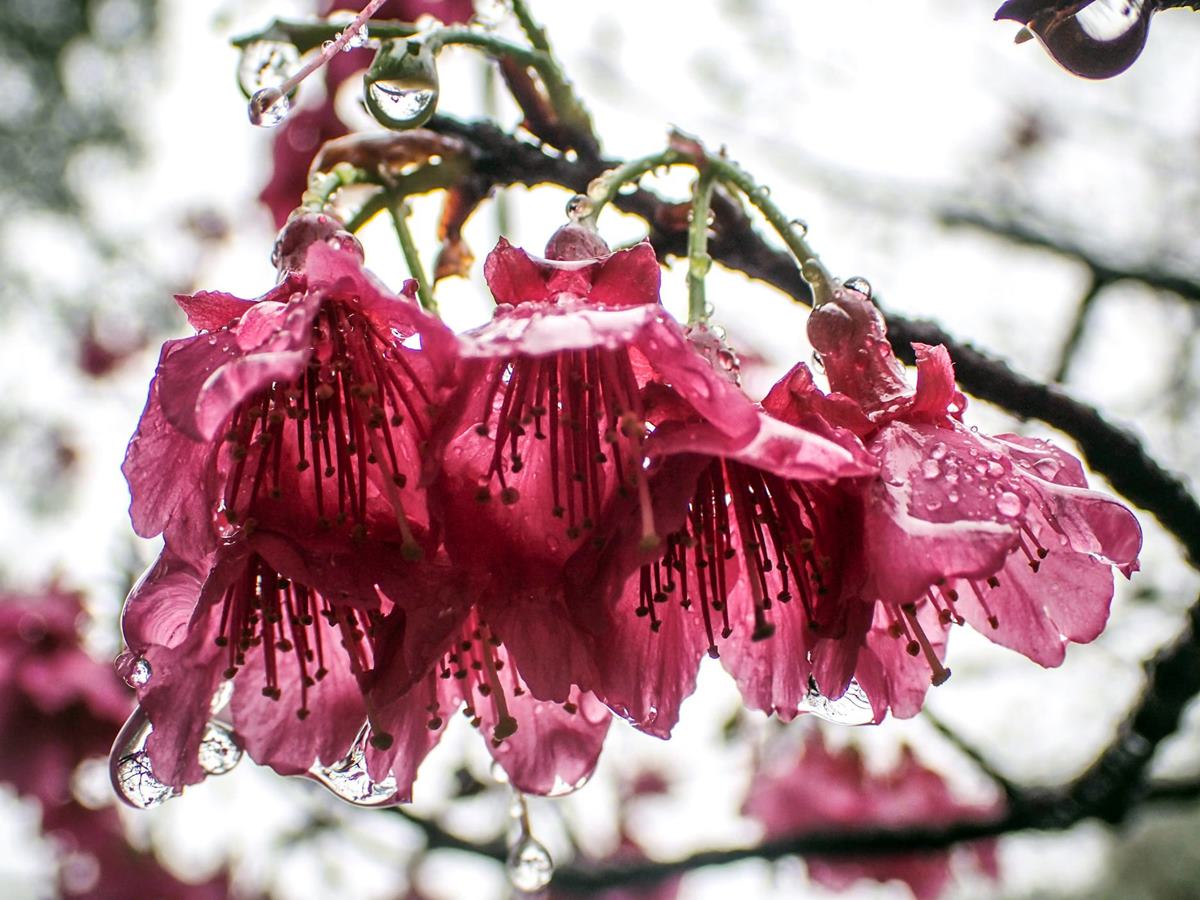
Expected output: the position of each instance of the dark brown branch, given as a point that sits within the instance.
(1103, 271)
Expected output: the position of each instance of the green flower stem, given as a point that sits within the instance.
(399, 211)
(492, 45)
(699, 262)
(563, 98)
(812, 270)
(605, 187)
(323, 185)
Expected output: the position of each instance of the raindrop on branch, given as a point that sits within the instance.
(858, 284)
(266, 64)
(269, 107)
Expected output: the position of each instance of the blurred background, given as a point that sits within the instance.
(1048, 220)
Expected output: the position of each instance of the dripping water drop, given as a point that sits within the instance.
(130, 769)
(529, 865)
(268, 107)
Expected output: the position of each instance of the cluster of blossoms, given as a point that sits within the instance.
(821, 789)
(371, 523)
(58, 710)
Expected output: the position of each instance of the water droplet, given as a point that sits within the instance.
(858, 284)
(134, 669)
(930, 469)
(219, 749)
(221, 697)
(562, 788)
(129, 766)
(995, 469)
(529, 865)
(579, 208)
(357, 39)
(812, 271)
(1046, 468)
(266, 64)
(349, 779)
(268, 107)
(800, 227)
(852, 708)
(401, 105)
(1008, 504)
(938, 451)
(498, 774)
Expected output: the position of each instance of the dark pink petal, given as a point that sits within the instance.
(202, 380)
(710, 393)
(646, 675)
(513, 276)
(407, 719)
(628, 277)
(177, 698)
(552, 750)
(160, 606)
(772, 674)
(541, 330)
(890, 674)
(528, 624)
(211, 310)
(270, 729)
(1037, 614)
(779, 448)
(936, 391)
(182, 500)
(795, 398)
(920, 530)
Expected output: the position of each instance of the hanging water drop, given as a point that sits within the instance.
(219, 749)
(268, 107)
(579, 208)
(356, 39)
(350, 780)
(800, 227)
(852, 708)
(858, 284)
(130, 769)
(266, 64)
(529, 866)
(134, 669)
(402, 84)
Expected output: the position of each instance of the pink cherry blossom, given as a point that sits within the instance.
(832, 790)
(59, 709)
(548, 427)
(747, 568)
(998, 531)
(301, 410)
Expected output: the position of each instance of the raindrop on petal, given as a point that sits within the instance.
(134, 669)
(350, 780)
(529, 865)
(129, 766)
(852, 708)
(219, 749)
(1008, 504)
(930, 469)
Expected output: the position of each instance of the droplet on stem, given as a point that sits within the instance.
(268, 107)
